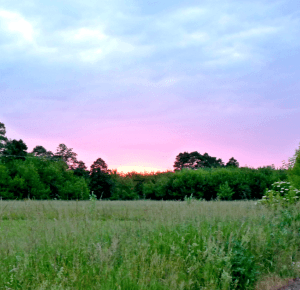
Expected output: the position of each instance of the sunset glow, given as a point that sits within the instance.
(138, 169)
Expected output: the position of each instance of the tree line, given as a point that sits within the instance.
(42, 174)
(195, 160)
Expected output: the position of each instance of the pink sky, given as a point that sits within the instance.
(136, 83)
(152, 149)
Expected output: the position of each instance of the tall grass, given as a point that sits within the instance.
(146, 245)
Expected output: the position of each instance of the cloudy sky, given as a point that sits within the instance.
(137, 82)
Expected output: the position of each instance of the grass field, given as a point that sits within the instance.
(146, 245)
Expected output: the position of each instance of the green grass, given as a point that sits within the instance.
(146, 245)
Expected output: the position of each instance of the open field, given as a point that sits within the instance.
(146, 245)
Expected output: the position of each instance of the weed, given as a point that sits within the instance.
(220, 245)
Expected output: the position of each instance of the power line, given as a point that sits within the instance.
(26, 156)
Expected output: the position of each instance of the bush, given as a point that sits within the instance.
(294, 172)
(282, 193)
(75, 188)
(124, 189)
(225, 192)
(4, 183)
(245, 183)
(102, 184)
(40, 179)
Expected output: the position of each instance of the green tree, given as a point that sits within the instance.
(62, 183)
(5, 180)
(67, 155)
(294, 172)
(232, 163)
(81, 170)
(14, 149)
(53, 173)
(27, 181)
(17, 187)
(73, 187)
(99, 164)
(209, 162)
(292, 160)
(225, 192)
(40, 151)
(124, 188)
(101, 183)
(195, 160)
(182, 161)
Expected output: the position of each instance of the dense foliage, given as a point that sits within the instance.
(40, 179)
(243, 183)
(285, 193)
(41, 174)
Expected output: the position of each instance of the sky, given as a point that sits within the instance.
(138, 82)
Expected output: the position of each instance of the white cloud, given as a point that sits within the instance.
(255, 32)
(222, 33)
(22, 35)
(175, 26)
(15, 23)
(224, 54)
(187, 14)
(109, 47)
(91, 55)
(194, 38)
(92, 44)
(212, 34)
(86, 34)
(239, 47)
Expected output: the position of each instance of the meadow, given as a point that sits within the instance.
(147, 244)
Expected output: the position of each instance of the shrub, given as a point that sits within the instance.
(4, 183)
(92, 196)
(282, 193)
(245, 183)
(75, 188)
(225, 192)
(123, 189)
(189, 199)
(101, 183)
(294, 172)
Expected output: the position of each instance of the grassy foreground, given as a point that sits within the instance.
(146, 245)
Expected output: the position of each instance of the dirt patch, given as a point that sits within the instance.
(293, 284)
(277, 283)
